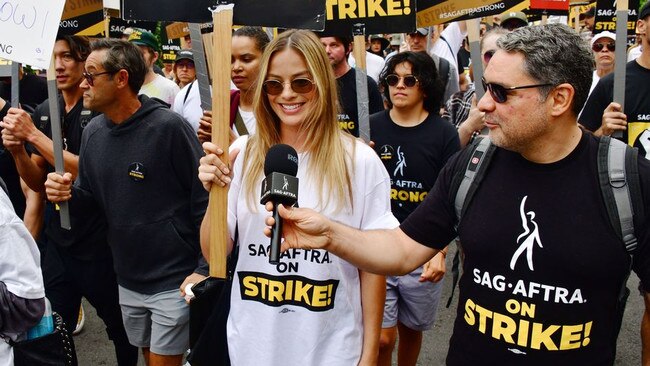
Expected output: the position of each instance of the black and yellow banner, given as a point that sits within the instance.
(301, 14)
(378, 16)
(606, 18)
(432, 12)
(82, 18)
(117, 26)
(294, 290)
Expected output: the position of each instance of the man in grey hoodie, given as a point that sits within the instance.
(138, 164)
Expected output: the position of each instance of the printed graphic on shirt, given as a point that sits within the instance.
(401, 163)
(528, 238)
(518, 321)
(404, 189)
(294, 290)
(639, 135)
(347, 124)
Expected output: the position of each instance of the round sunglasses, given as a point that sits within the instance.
(500, 93)
(298, 85)
(408, 80)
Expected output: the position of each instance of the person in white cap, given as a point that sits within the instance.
(603, 45)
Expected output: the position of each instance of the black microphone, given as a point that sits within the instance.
(280, 187)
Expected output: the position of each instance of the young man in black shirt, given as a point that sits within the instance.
(338, 49)
(414, 143)
(543, 267)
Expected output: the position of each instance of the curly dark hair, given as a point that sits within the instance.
(424, 69)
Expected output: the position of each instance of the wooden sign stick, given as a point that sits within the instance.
(218, 204)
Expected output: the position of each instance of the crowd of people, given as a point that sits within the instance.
(365, 248)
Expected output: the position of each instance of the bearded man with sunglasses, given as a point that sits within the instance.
(414, 143)
(76, 262)
(543, 267)
(137, 166)
(631, 124)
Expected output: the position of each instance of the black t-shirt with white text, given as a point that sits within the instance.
(413, 156)
(349, 113)
(542, 265)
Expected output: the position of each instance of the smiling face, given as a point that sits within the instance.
(522, 119)
(68, 70)
(245, 62)
(291, 108)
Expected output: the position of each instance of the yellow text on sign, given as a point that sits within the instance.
(353, 9)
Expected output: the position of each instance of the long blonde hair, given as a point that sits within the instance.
(323, 140)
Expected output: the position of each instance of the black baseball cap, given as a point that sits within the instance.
(185, 54)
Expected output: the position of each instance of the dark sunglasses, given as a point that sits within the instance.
(299, 85)
(408, 80)
(90, 77)
(500, 93)
(188, 64)
(487, 56)
(597, 47)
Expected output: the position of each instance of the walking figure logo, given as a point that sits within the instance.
(528, 238)
(285, 186)
(401, 162)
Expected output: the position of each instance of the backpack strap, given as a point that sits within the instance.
(615, 158)
(468, 174)
(473, 175)
(620, 186)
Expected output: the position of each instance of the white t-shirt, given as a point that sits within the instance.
(307, 309)
(594, 80)
(634, 53)
(190, 107)
(249, 121)
(449, 49)
(161, 88)
(20, 268)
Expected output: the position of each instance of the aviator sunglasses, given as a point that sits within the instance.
(500, 93)
(597, 47)
(90, 76)
(408, 80)
(299, 85)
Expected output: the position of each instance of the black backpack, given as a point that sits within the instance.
(620, 187)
